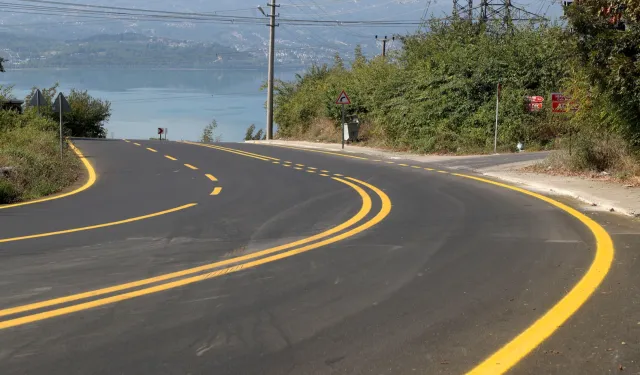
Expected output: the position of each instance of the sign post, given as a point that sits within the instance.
(343, 100)
(61, 105)
(495, 136)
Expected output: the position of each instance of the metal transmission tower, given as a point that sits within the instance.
(463, 9)
(505, 13)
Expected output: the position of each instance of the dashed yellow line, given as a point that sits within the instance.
(216, 190)
(310, 171)
(170, 157)
(390, 162)
(137, 144)
(190, 166)
(416, 167)
(324, 171)
(150, 149)
(443, 172)
(312, 168)
(211, 177)
(403, 165)
(287, 162)
(126, 140)
(275, 162)
(429, 169)
(300, 165)
(298, 168)
(91, 227)
(286, 165)
(324, 175)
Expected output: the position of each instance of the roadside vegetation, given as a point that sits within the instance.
(209, 133)
(437, 93)
(30, 161)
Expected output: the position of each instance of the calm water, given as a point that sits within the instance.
(184, 101)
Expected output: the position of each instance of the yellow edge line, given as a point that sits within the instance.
(152, 150)
(211, 177)
(170, 157)
(90, 181)
(514, 351)
(138, 218)
(216, 190)
(366, 207)
(190, 166)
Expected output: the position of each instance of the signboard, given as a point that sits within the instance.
(160, 131)
(534, 103)
(343, 98)
(37, 100)
(61, 104)
(561, 103)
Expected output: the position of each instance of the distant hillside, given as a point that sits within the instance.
(119, 50)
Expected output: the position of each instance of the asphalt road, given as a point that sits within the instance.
(284, 261)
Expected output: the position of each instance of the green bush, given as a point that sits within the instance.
(437, 94)
(29, 144)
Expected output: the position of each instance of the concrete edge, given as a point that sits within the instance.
(598, 203)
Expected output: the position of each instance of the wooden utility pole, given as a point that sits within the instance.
(272, 38)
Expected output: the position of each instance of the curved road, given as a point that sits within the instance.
(250, 259)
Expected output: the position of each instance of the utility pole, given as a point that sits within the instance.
(504, 12)
(272, 39)
(463, 11)
(384, 44)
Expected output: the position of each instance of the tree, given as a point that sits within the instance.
(208, 134)
(2, 61)
(249, 133)
(88, 115)
(359, 59)
(338, 63)
(258, 136)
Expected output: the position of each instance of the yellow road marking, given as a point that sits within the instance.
(324, 171)
(211, 177)
(233, 151)
(150, 149)
(137, 144)
(416, 167)
(312, 168)
(298, 168)
(275, 162)
(443, 172)
(170, 157)
(127, 141)
(390, 162)
(324, 175)
(288, 162)
(216, 190)
(364, 211)
(191, 166)
(138, 218)
(300, 165)
(322, 152)
(514, 351)
(90, 181)
(310, 171)
(286, 165)
(403, 165)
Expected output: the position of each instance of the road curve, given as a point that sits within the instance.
(242, 259)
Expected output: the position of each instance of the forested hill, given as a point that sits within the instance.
(119, 50)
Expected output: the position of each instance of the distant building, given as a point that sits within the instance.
(12, 105)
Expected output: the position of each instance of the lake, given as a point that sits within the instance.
(184, 101)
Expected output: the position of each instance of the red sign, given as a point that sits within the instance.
(534, 103)
(561, 103)
(160, 130)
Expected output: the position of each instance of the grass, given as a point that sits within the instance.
(37, 169)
